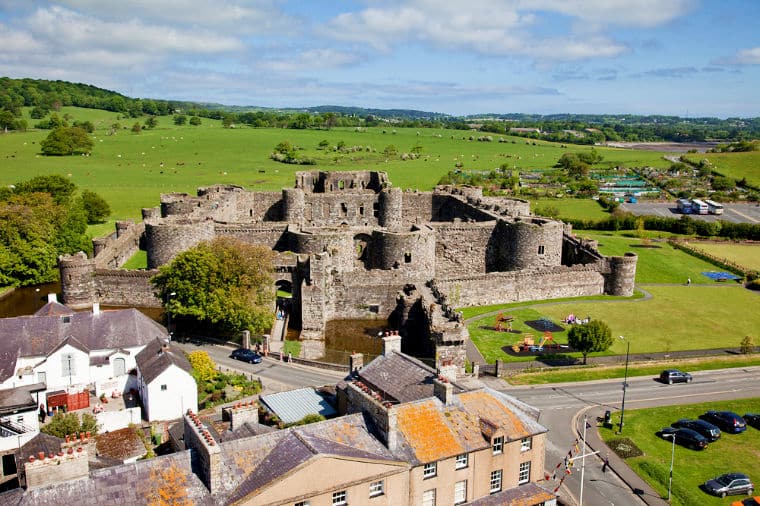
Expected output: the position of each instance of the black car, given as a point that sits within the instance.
(730, 484)
(246, 355)
(685, 437)
(727, 421)
(752, 419)
(671, 376)
(708, 430)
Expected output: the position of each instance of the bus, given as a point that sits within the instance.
(684, 206)
(698, 207)
(714, 207)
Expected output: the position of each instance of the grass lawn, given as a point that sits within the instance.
(572, 208)
(746, 255)
(676, 318)
(138, 261)
(658, 263)
(131, 170)
(731, 453)
(734, 165)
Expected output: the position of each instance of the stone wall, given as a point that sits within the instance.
(269, 235)
(166, 240)
(530, 242)
(259, 206)
(112, 251)
(118, 287)
(464, 247)
(64, 466)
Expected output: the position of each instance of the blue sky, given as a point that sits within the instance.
(677, 57)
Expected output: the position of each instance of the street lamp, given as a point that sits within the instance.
(625, 382)
(672, 457)
(169, 314)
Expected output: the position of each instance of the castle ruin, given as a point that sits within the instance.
(352, 246)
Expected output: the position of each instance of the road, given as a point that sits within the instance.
(737, 213)
(562, 408)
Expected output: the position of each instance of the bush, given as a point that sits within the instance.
(64, 141)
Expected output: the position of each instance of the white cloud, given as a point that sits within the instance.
(639, 13)
(311, 59)
(748, 56)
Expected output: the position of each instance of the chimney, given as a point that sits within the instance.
(241, 413)
(164, 348)
(356, 361)
(52, 297)
(209, 456)
(391, 342)
(68, 464)
(443, 389)
(95, 308)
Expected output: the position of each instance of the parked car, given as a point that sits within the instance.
(246, 355)
(708, 430)
(730, 484)
(752, 419)
(727, 421)
(750, 501)
(685, 437)
(671, 376)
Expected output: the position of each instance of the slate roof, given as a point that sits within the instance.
(40, 335)
(401, 377)
(157, 356)
(293, 405)
(20, 397)
(430, 430)
(39, 443)
(136, 483)
(253, 463)
(54, 308)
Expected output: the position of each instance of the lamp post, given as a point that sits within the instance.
(625, 382)
(672, 457)
(169, 314)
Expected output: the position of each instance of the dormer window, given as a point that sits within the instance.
(497, 445)
(66, 319)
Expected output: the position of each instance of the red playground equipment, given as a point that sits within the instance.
(501, 320)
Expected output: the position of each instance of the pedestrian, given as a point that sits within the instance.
(688, 281)
(606, 463)
(43, 413)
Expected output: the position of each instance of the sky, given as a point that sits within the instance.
(688, 58)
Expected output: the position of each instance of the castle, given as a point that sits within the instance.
(350, 245)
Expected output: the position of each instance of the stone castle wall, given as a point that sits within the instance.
(119, 287)
(112, 251)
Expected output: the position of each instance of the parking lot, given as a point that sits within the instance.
(737, 213)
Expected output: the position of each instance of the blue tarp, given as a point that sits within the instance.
(718, 276)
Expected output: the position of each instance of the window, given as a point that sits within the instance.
(340, 498)
(526, 444)
(119, 367)
(429, 470)
(407, 258)
(496, 481)
(460, 492)
(42, 377)
(524, 476)
(498, 445)
(540, 250)
(461, 461)
(302, 503)
(428, 498)
(163, 388)
(68, 362)
(361, 210)
(376, 488)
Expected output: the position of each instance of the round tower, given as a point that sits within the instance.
(391, 206)
(533, 242)
(294, 203)
(77, 280)
(621, 278)
(165, 241)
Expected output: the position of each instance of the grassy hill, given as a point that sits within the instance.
(734, 165)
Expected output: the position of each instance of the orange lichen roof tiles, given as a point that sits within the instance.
(486, 406)
(427, 432)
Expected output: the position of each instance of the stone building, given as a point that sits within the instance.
(352, 246)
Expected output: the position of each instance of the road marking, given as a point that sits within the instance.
(750, 218)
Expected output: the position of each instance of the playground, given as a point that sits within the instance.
(671, 318)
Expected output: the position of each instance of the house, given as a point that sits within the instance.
(19, 415)
(166, 387)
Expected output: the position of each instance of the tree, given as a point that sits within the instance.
(65, 141)
(63, 424)
(59, 187)
(136, 128)
(95, 206)
(180, 119)
(747, 345)
(590, 337)
(151, 122)
(195, 121)
(223, 283)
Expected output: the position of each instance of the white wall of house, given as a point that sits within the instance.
(169, 395)
(28, 420)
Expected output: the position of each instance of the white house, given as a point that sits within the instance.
(73, 352)
(166, 387)
(19, 414)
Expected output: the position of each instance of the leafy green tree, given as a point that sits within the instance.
(180, 119)
(39, 112)
(224, 283)
(151, 122)
(66, 141)
(95, 206)
(87, 126)
(136, 128)
(59, 187)
(228, 121)
(195, 121)
(69, 423)
(590, 337)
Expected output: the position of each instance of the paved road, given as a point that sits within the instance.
(737, 213)
(563, 405)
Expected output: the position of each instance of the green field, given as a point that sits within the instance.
(572, 208)
(746, 255)
(675, 318)
(658, 261)
(731, 453)
(734, 165)
(131, 170)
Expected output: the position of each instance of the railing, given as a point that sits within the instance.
(14, 428)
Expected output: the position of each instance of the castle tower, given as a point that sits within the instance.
(164, 242)
(621, 278)
(294, 203)
(391, 205)
(77, 280)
